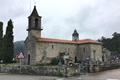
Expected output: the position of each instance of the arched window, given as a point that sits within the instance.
(36, 22)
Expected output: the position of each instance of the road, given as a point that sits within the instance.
(106, 75)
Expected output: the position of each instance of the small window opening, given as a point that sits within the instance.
(36, 23)
(52, 46)
(84, 50)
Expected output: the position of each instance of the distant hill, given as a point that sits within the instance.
(19, 46)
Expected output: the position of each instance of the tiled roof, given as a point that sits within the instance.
(85, 41)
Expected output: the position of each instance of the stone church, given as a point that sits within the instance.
(40, 50)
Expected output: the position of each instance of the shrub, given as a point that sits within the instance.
(54, 61)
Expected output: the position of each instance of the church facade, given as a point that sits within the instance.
(40, 50)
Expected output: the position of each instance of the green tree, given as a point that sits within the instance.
(1, 37)
(8, 47)
(112, 44)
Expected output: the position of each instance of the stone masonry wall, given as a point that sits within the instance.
(41, 70)
(52, 50)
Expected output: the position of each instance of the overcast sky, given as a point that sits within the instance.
(91, 18)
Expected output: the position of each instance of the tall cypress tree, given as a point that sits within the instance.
(8, 47)
(1, 38)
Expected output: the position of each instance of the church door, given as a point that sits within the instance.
(28, 59)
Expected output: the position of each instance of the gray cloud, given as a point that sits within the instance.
(92, 18)
(99, 20)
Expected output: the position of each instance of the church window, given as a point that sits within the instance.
(28, 59)
(29, 23)
(52, 46)
(94, 54)
(75, 59)
(84, 50)
(36, 23)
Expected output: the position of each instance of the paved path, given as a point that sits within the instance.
(106, 75)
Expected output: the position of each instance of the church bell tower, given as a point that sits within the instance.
(75, 35)
(34, 24)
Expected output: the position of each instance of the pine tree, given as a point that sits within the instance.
(1, 37)
(8, 47)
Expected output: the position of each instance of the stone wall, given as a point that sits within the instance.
(91, 51)
(46, 51)
(83, 52)
(96, 52)
(41, 70)
(30, 49)
(43, 52)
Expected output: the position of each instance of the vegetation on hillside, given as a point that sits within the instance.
(112, 44)
(19, 46)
